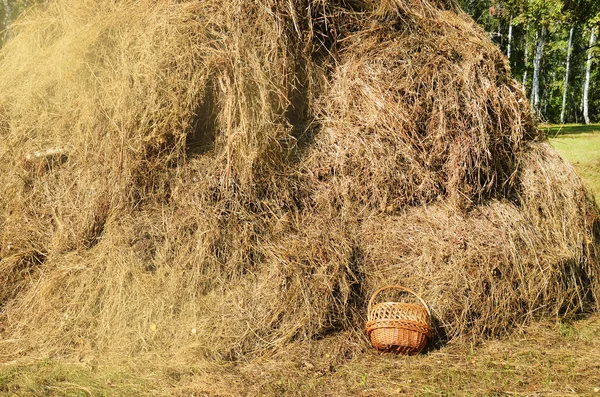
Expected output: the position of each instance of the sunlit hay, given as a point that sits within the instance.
(411, 117)
(501, 264)
(221, 179)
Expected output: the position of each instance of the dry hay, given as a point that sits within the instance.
(222, 178)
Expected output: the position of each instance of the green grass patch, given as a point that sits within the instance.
(580, 145)
(569, 129)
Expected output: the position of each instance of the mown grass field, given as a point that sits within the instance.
(544, 359)
(552, 358)
(580, 145)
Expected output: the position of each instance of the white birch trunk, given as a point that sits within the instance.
(532, 93)
(526, 59)
(7, 11)
(510, 33)
(588, 70)
(566, 83)
(537, 66)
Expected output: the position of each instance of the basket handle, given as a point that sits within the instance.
(395, 287)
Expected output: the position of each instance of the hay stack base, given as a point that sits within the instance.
(236, 176)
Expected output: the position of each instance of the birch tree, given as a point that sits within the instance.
(566, 82)
(540, 14)
(542, 42)
(588, 70)
(526, 59)
(510, 36)
(537, 66)
(10, 11)
(7, 13)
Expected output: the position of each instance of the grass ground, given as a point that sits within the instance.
(542, 359)
(581, 146)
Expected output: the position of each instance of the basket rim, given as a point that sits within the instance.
(370, 306)
(416, 306)
(379, 312)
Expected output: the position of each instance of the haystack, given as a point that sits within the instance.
(219, 179)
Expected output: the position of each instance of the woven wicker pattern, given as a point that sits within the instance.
(399, 311)
(402, 328)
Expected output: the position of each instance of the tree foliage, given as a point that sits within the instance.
(527, 18)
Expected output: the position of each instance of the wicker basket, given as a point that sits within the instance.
(402, 328)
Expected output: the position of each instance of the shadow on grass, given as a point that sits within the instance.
(569, 129)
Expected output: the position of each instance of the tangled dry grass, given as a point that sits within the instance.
(219, 179)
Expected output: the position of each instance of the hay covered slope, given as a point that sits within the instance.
(251, 171)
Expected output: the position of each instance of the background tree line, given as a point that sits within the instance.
(10, 10)
(553, 50)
